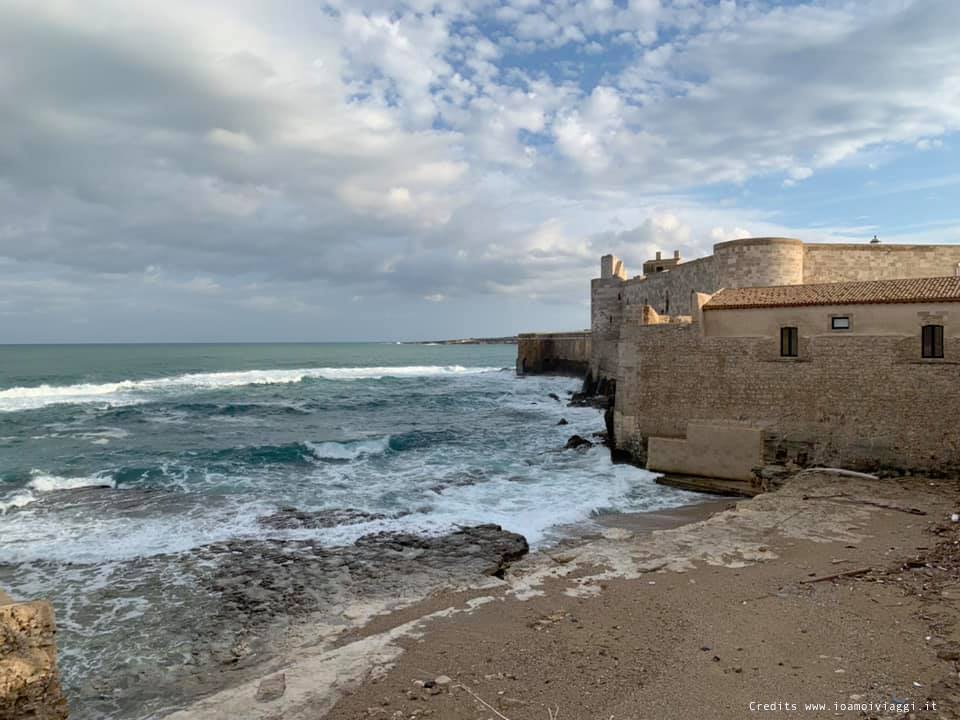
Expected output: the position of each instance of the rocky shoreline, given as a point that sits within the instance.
(832, 589)
(401, 626)
(225, 612)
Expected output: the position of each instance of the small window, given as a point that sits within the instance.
(932, 337)
(840, 323)
(659, 268)
(789, 342)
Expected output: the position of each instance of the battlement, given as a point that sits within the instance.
(658, 264)
(612, 267)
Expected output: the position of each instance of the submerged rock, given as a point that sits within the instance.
(563, 421)
(576, 442)
(292, 519)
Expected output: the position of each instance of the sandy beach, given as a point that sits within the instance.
(835, 592)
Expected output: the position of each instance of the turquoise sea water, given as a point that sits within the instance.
(427, 437)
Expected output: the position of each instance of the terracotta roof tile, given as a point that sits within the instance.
(911, 290)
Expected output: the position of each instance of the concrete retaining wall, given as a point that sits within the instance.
(720, 451)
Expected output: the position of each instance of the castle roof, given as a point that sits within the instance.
(910, 290)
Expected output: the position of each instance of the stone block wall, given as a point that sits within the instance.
(560, 353)
(606, 315)
(842, 263)
(29, 682)
(669, 292)
(862, 402)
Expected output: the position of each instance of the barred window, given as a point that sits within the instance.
(932, 341)
(789, 342)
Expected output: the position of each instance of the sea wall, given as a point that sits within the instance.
(856, 401)
(29, 681)
(553, 353)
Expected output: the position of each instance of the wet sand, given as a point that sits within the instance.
(713, 613)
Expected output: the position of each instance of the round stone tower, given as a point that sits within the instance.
(758, 262)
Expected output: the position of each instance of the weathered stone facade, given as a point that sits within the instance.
(29, 682)
(561, 353)
(865, 402)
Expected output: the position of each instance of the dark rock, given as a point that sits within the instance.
(555, 396)
(601, 402)
(576, 442)
(563, 421)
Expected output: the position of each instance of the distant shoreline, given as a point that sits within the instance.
(511, 340)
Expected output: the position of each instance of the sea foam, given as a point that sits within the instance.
(128, 392)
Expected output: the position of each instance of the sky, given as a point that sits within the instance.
(300, 170)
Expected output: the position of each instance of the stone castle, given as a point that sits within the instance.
(772, 350)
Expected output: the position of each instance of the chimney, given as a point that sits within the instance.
(658, 254)
(676, 254)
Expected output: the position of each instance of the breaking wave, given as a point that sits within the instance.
(348, 450)
(129, 392)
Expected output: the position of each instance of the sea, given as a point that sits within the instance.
(117, 462)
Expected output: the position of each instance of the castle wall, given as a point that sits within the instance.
(855, 401)
(560, 353)
(749, 262)
(669, 292)
(843, 263)
(606, 311)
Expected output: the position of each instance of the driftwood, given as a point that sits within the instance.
(842, 471)
(842, 497)
(836, 576)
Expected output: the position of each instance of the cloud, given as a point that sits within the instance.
(278, 159)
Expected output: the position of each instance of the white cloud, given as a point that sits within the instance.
(427, 150)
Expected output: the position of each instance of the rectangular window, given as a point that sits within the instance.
(839, 323)
(932, 341)
(789, 341)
